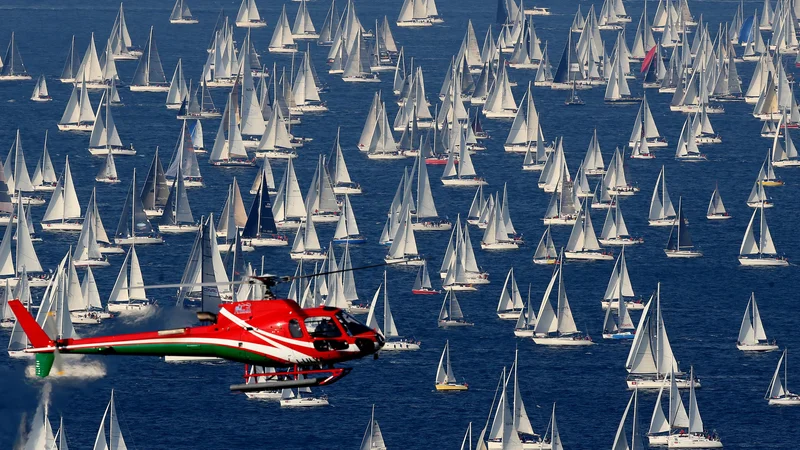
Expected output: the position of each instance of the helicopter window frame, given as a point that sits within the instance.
(352, 325)
(295, 330)
(313, 327)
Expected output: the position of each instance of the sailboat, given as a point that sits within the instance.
(342, 183)
(288, 209)
(108, 171)
(760, 253)
(13, 69)
(422, 284)
(687, 145)
(44, 176)
(301, 397)
(394, 340)
(404, 244)
(87, 250)
(716, 209)
(413, 14)
(464, 175)
(128, 295)
(178, 91)
(78, 115)
(229, 150)
(259, 229)
(621, 326)
(100, 234)
(303, 26)
(134, 226)
(615, 180)
(546, 250)
(651, 363)
(181, 14)
(556, 327)
(155, 190)
(357, 67)
(583, 244)
(40, 93)
(184, 162)
(115, 439)
(695, 435)
(306, 244)
(680, 243)
(451, 315)
(282, 39)
(149, 75)
(621, 439)
(248, 16)
(177, 216)
(260, 374)
(500, 101)
(752, 337)
(510, 305)
(778, 393)
(64, 211)
(662, 213)
(373, 438)
(619, 287)
(347, 231)
(496, 235)
(445, 379)
(615, 232)
(192, 108)
(205, 265)
(105, 138)
(527, 319)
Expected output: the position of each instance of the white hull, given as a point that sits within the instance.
(342, 190)
(430, 226)
(325, 218)
(252, 24)
(765, 204)
(42, 99)
(787, 163)
(62, 226)
(139, 240)
(789, 400)
(276, 154)
(504, 114)
(509, 315)
(288, 225)
(308, 256)
(130, 309)
(400, 346)
(358, 79)
(107, 180)
(656, 384)
(662, 222)
(559, 220)
(416, 261)
(683, 253)
(415, 23)
(692, 441)
(76, 127)
(14, 77)
(150, 213)
(183, 21)
(657, 441)
(311, 108)
(629, 305)
(618, 242)
(718, 216)
(179, 228)
(91, 263)
(757, 347)
(562, 341)
(500, 246)
(103, 151)
(264, 395)
(84, 318)
(460, 287)
(523, 333)
(265, 242)
(498, 445)
(464, 182)
(533, 167)
(385, 156)
(304, 402)
(152, 88)
(589, 256)
(305, 36)
(763, 262)
(454, 324)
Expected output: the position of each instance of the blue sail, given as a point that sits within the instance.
(260, 221)
(746, 32)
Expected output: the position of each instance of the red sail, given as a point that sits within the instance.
(648, 59)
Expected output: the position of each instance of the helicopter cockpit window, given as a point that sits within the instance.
(351, 324)
(294, 329)
(322, 327)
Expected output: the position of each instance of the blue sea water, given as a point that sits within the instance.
(189, 406)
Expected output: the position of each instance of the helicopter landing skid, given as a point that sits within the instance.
(275, 383)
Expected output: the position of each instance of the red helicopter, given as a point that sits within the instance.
(271, 333)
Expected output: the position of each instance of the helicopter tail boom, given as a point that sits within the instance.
(44, 346)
